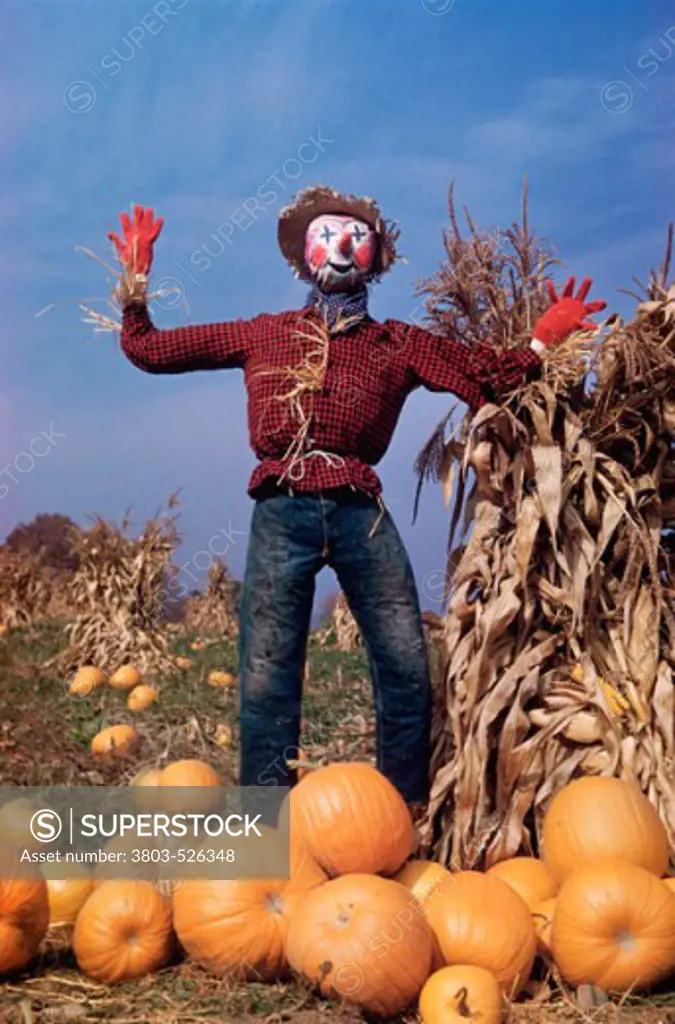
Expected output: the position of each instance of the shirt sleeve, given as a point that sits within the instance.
(475, 373)
(201, 347)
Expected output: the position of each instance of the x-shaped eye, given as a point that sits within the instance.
(358, 233)
(327, 234)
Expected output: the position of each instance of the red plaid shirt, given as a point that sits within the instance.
(371, 370)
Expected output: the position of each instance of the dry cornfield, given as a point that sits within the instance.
(31, 592)
(214, 611)
(341, 631)
(118, 593)
(558, 647)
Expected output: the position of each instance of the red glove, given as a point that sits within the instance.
(566, 313)
(135, 252)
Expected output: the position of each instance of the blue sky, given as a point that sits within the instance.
(193, 106)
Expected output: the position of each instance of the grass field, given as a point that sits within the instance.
(44, 737)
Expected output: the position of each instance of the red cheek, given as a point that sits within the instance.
(318, 256)
(363, 255)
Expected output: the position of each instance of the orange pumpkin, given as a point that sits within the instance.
(191, 783)
(238, 928)
(527, 876)
(144, 785)
(141, 697)
(123, 931)
(125, 678)
(147, 777)
(190, 772)
(353, 819)
(24, 911)
(221, 679)
(596, 818)
(481, 921)
(454, 995)
(359, 939)
(542, 916)
(123, 846)
(184, 664)
(115, 741)
(424, 880)
(86, 680)
(614, 927)
(67, 895)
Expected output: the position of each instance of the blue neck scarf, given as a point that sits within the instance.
(334, 304)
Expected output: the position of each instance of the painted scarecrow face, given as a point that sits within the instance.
(339, 252)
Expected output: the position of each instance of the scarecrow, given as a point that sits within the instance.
(326, 384)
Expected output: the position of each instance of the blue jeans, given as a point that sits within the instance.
(292, 538)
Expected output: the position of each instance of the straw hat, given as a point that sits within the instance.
(295, 218)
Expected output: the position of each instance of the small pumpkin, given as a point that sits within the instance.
(141, 697)
(425, 880)
(190, 772)
(353, 819)
(238, 928)
(123, 931)
(481, 921)
(115, 741)
(456, 994)
(542, 916)
(147, 779)
(527, 876)
(123, 848)
(86, 680)
(24, 911)
(67, 896)
(614, 927)
(184, 664)
(189, 781)
(221, 679)
(596, 818)
(125, 678)
(197, 645)
(337, 921)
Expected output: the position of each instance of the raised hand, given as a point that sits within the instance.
(135, 250)
(567, 313)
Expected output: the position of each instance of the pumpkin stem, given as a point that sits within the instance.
(462, 1005)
